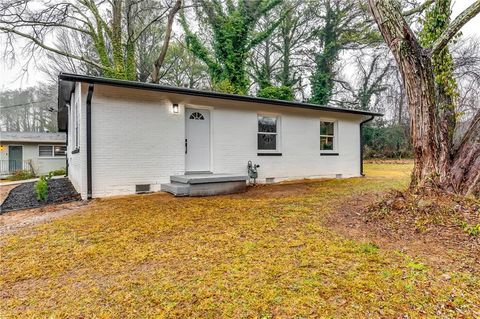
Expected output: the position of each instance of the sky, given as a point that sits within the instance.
(13, 75)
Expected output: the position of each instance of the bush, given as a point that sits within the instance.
(58, 172)
(384, 140)
(21, 175)
(277, 93)
(41, 188)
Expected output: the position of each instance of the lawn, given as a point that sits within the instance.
(263, 254)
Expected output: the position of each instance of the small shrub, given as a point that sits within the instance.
(21, 175)
(41, 187)
(58, 172)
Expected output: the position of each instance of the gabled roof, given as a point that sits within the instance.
(32, 137)
(66, 84)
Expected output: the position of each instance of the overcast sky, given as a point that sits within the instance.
(13, 76)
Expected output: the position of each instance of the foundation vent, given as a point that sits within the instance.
(338, 175)
(270, 180)
(142, 188)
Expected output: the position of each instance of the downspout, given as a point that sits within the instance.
(89, 140)
(361, 143)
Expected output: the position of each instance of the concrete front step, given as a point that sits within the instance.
(176, 189)
(205, 184)
(207, 178)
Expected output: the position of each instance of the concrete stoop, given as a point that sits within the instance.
(205, 184)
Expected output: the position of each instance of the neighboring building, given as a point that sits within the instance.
(128, 136)
(40, 152)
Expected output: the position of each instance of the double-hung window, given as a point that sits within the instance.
(327, 136)
(268, 134)
(51, 150)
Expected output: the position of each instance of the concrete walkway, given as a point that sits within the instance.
(26, 181)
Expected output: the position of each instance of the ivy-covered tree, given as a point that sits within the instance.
(436, 21)
(438, 164)
(232, 28)
(344, 24)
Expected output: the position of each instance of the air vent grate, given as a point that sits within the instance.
(142, 188)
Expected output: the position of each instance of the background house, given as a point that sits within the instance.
(35, 151)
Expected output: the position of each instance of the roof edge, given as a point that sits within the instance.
(217, 95)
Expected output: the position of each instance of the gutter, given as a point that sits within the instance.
(361, 143)
(89, 140)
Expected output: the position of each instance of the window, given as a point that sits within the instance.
(327, 136)
(60, 150)
(75, 111)
(52, 151)
(196, 116)
(268, 133)
(45, 151)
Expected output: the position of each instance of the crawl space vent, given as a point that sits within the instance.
(338, 175)
(142, 188)
(270, 180)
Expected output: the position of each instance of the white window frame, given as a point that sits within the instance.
(76, 124)
(52, 146)
(278, 133)
(335, 135)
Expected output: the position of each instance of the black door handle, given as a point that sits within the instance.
(186, 146)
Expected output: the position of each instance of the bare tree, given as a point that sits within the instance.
(111, 29)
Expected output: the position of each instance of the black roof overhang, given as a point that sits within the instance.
(66, 85)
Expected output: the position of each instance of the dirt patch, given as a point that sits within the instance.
(12, 221)
(434, 228)
(23, 196)
(4, 190)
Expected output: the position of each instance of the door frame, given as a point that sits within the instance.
(23, 152)
(204, 108)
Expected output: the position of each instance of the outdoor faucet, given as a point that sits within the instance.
(252, 171)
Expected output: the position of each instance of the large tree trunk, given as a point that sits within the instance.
(437, 165)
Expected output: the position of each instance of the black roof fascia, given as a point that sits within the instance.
(208, 94)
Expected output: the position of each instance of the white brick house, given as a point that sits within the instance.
(122, 134)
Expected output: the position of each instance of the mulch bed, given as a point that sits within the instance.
(23, 196)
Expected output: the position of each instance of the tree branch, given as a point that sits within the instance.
(418, 9)
(51, 49)
(455, 26)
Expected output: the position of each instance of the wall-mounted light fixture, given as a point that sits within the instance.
(175, 108)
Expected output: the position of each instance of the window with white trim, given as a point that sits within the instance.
(268, 133)
(327, 136)
(75, 111)
(51, 150)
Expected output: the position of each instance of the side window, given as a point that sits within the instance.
(59, 150)
(45, 151)
(327, 136)
(75, 123)
(268, 133)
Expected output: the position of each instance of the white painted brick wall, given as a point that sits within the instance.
(136, 139)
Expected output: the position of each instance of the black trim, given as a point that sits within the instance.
(185, 91)
(89, 141)
(269, 154)
(329, 154)
(361, 143)
(75, 151)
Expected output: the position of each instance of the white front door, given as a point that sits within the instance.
(197, 140)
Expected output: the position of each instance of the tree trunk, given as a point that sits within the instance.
(163, 51)
(436, 164)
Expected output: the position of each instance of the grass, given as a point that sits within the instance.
(263, 254)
